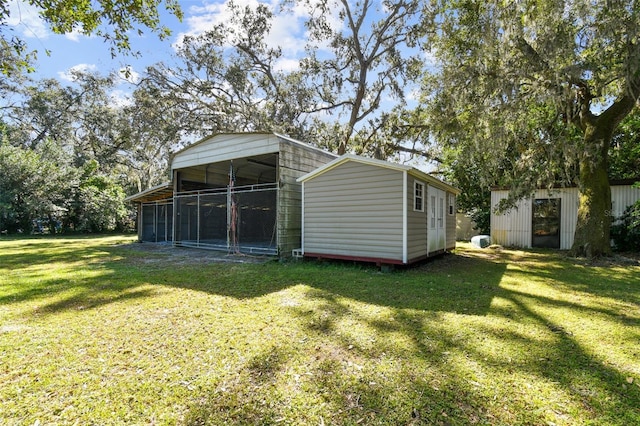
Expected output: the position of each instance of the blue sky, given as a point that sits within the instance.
(92, 53)
(76, 50)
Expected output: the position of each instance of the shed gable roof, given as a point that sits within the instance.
(380, 163)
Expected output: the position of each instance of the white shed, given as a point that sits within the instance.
(358, 208)
(548, 219)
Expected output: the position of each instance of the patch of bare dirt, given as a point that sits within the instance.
(160, 252)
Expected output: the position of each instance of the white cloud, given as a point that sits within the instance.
(68, 74)
(27, 20)
(287, 27)
(430, 59)
(287, 65)
(120, 98)
(413, 93)
(202, 18)
(74, 35)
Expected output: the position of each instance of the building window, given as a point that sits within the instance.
(452, 204)
(418, 196)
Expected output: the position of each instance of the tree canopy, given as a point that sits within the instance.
(540, 87)
(110, 19)
(229, 78)
(68, 155)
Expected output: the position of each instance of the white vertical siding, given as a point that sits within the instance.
(514, 227)
(622, 196)
(568, 214)
(355, 210)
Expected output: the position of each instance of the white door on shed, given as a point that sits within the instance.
(436, 219)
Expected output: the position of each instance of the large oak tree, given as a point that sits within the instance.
(355, 60)
(358, 66)
(541, 85)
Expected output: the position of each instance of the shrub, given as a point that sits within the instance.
(625, 232)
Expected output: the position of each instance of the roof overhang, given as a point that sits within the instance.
(159, 192)
(555, 186)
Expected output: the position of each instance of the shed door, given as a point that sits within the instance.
(546, 223)
(436, 218)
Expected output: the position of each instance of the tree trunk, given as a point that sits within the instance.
(592, 235)
(342, 146)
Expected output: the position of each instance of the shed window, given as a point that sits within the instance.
(418, 196)
(452, 203)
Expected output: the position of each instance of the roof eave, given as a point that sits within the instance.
(152, 194)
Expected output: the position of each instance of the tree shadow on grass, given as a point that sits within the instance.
(239, 399)
(439, 311)
(440, 377)
(545, 352)
(339, 376)
(90, 299)
(591, 380)
(59, 249)
(611, 277)
(122, 269)
(67, 273)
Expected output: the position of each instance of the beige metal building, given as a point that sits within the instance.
(548, 219)
(363, 209)
(234, 191)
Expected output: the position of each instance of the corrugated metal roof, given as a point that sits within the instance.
(278, 135)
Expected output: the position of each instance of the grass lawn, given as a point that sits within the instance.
(97, 330)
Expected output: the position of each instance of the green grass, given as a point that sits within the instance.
(94, 331)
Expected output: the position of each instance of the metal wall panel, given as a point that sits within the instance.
(568, 217)
(224, 147)
(514, 227)
(621, 197)
(295, 161)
